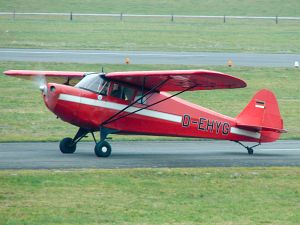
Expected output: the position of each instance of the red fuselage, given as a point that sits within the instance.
(173, 117)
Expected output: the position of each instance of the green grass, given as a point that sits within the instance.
(25, 118)
(151, 196)
(180, 7)
(151, 34)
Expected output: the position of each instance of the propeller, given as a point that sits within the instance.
(41, 82)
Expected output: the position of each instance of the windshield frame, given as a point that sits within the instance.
(94, 82)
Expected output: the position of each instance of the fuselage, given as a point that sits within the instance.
(173, 117)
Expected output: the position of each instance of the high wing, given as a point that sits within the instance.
(61, 77)
(178, 80)
(169, 80)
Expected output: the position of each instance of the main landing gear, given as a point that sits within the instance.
(249, 149)
(67, 146)
(102, 148)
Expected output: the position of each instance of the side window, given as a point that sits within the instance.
(122, 92)
(128, 93)
(116, 91)
(141, 101)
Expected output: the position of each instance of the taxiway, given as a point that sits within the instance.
(149, 154)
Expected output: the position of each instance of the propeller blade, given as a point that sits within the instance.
(40, 82)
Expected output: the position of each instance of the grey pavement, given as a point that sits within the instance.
(149, 154)
(145, 57)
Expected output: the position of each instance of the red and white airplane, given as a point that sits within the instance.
(137, 103)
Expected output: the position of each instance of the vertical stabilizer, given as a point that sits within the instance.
(262, 115)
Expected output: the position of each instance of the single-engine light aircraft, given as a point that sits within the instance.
(138, 103)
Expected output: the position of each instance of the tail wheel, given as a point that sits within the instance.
(67, 146)
(103, 149)
(250, 150)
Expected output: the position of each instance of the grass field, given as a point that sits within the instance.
(153, 34)
(151, 196)
(180, 7)
(25, 118)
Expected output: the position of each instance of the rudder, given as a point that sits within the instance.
(262, 115)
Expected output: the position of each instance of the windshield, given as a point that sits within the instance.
(94, 83)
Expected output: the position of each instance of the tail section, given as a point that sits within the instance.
(262, 115)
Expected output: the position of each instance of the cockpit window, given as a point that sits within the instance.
(122, 92)
(141, 100)
(117, 91)
(94, 83)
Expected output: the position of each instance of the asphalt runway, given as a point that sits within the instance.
(149, 154)
(143, 57)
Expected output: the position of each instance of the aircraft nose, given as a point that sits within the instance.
(50, 93)
(62, 100)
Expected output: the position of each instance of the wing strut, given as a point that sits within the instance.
(110, 119)
(113, 119)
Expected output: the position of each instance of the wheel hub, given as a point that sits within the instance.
(104, 149)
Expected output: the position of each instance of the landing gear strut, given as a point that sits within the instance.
(102, 148)
(250, 149)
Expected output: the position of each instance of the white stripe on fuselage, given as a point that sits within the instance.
(117, 106)
(239, 131)
(144, 112)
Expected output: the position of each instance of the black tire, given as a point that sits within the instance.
(67, 146)
(102, 149)
(250, 151)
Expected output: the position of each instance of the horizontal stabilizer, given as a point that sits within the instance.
(257, 129)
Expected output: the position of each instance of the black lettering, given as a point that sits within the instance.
(186, 119)
(201, 122)
(218, 125)
(226, 128)
(210, 125)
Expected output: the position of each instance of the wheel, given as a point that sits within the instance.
(250, 151)
(102, 149)
(67, 146)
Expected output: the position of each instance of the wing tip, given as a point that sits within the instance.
(8, 72)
